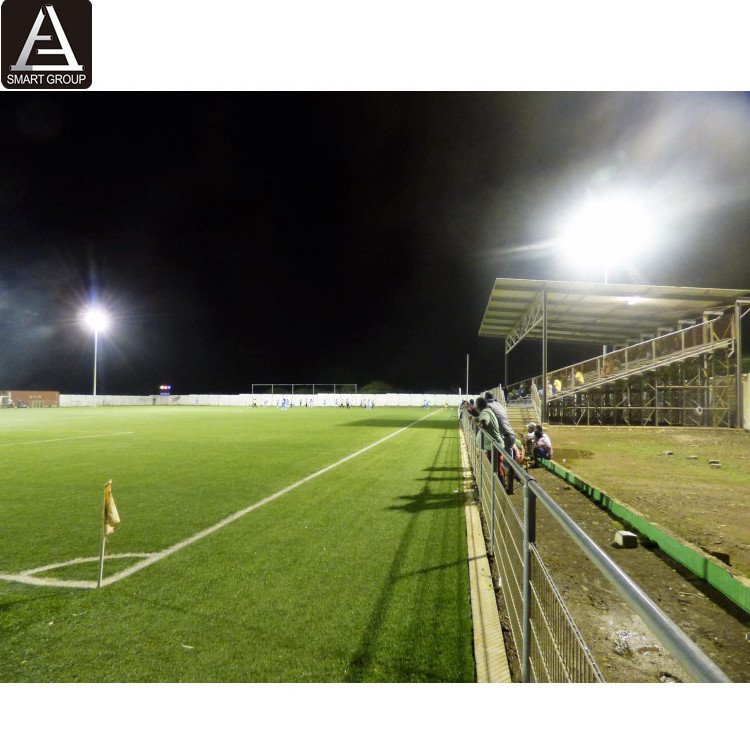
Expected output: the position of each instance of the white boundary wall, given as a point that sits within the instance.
(265, 399)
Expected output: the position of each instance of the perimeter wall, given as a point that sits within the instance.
(247, 399)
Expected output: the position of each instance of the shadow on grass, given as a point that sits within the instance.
(22, 598)
(427, 500)
(434, 568)
(361, 663)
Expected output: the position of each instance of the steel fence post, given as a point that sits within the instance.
(529, 538)
(493, 461)
(480, 452)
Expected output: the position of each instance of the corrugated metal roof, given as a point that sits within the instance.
(596, 313)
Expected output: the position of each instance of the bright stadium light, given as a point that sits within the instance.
(607, 232)
(96, 319)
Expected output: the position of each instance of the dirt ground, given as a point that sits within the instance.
(665, 475)
(708, 507)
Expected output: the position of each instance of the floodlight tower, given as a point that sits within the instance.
(96, 319)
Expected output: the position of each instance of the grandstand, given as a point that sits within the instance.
(671, 355)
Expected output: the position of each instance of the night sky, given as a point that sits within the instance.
(244, 238)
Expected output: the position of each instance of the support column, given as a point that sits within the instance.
(738, 354)
(544, 355)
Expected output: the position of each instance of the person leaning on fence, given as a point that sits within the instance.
(487, 421)
(506, 431)
(508, 438)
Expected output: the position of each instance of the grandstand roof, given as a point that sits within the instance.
(593, 312)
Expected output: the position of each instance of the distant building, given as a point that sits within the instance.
(23, 399)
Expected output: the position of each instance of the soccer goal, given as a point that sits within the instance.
(302, 388)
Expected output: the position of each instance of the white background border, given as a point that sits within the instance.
(223, 45)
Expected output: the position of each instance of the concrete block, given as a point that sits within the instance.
(626, 539)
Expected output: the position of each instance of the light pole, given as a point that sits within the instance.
(97, 320)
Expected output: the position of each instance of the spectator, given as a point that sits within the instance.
(542, 444)
(579, 377)
(508, 478)
(508, 438)
(529, 439)
(488, 422)
(506, 431)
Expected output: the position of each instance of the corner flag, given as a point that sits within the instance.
(111, 516)
(110, 520)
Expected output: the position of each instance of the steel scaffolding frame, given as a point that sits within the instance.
(684, 378)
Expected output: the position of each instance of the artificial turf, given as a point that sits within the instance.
(358, 575)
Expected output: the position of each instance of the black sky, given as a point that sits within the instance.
(247, 238)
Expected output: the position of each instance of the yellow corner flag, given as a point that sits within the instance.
(111, 516)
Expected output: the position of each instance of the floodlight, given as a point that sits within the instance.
(607, 232)
(96, 319)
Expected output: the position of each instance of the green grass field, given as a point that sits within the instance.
(357, 575)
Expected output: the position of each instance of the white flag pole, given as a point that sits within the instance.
(101, 557)
(104, 539)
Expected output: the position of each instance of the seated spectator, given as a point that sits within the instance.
(542, 444)
(529, 439)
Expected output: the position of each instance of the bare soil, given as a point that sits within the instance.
(666, 477)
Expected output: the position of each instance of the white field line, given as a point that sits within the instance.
(30, 576)
(57, 440)
(27, 577)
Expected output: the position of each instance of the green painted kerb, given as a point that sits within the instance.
(693, 560)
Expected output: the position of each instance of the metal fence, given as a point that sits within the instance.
(551, 646)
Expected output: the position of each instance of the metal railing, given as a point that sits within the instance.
(552, 648)
(691, 341)
(674, 346)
